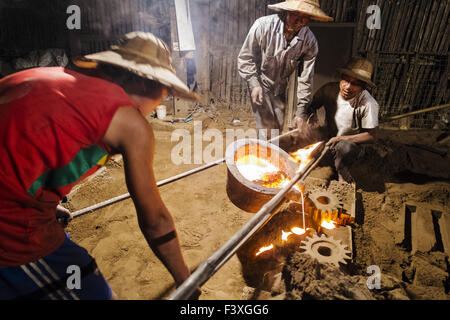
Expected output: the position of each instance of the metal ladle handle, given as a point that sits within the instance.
(161, 183)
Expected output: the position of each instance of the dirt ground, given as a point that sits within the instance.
(394, 171)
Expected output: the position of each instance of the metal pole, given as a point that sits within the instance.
(435, 108)
(161, 183)
(210, 266)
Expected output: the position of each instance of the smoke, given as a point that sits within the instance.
(112, 19)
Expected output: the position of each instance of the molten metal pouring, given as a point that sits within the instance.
(161, 183)
(210, 266)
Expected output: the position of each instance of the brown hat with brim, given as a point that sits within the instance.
(359, 68)
(144, 54)
(309, 7)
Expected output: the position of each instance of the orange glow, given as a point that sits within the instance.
(263, 249)
(285, 235)
(302, 156)
(262, 172)
(273, 180)
(298, 231)
(330, 224)
(254, 168)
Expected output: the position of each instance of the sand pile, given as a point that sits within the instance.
(393, 172)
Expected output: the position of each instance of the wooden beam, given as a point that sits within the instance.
(435, 108)
(178, 61)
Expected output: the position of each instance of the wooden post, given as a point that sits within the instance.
(202, 24)
(177, 60)
(291, 94)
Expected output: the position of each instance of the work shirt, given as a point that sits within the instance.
(360, 112)
(52, 122)
(267, 59)
(344, 117)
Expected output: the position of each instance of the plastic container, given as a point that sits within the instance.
(161, 111)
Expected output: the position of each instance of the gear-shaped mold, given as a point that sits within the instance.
(325, 201)
(326, 249)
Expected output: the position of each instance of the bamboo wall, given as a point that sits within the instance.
(29, 24)
(340, 10)
(410, 50)
(411, 54)
(230, 21)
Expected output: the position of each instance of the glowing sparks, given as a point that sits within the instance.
(285, 235)
(265, 173)
(264, 249)
(298, 231)
(303, 156)
(328, 224)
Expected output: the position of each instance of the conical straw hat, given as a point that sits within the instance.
(359, 68)
(309, 7)
(146, 55)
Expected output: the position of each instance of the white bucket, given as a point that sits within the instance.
(161, 111)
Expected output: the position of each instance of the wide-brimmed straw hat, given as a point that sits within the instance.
(146, 55)
(309, 7)
(359, 68)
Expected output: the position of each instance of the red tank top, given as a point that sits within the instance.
(52, 121)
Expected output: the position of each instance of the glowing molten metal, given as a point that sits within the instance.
(263, 249)
(285, 235)
(302, 156)
(261, 171)
(298, 231)
(328, 224)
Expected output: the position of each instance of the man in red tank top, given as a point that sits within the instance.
(59, 126)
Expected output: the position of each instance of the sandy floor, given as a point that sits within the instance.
(205, 219)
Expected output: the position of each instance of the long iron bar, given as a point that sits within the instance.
(210, 266)
(161, 183)
(435, 108)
